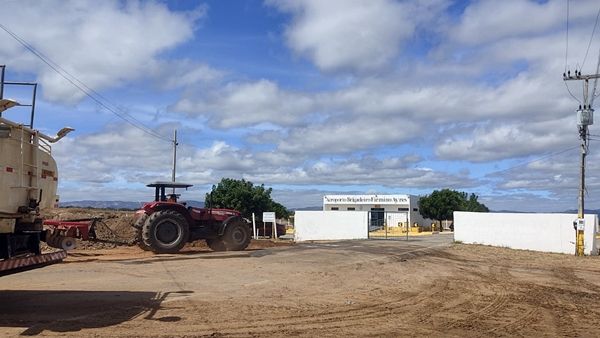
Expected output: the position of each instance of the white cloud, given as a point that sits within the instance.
(184, 73)
(121, 153)
(489, 21)
(351, 35)
(104, 43)
(338, 135)
(125, 154)
(497, 142)
(391, 172)
(242, 104)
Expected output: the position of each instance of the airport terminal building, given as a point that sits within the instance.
(393, 210)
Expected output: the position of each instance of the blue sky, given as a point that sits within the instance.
(313, 97)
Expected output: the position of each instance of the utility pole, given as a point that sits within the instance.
(2, 70)
(175, 144)
(585, 118)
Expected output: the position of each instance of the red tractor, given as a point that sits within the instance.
(166, 225)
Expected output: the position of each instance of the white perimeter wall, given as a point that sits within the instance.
(538, 232)
(330, 225)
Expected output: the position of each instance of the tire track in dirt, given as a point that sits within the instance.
(486, 316)
(480, 319)
(358, 315)
(513, 308)
(567, 301)
(516, 325)
(529, 303)
(512, 316)
(362, 316)
(568, 275)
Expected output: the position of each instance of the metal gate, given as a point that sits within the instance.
(388, 225)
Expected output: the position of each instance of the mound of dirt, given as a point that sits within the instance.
(112, 230)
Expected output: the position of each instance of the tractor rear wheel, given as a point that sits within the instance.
(165, 231)
(237, 235)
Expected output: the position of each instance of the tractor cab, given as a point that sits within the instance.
(160, 194)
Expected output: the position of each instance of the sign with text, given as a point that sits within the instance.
(365, 199)
(268, 217)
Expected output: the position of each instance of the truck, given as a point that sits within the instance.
(28, 186)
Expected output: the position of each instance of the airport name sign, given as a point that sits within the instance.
(365, 199)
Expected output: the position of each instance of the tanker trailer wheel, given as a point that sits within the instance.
(216, 244)
(139, 224)
(237, 235)
(165, 231)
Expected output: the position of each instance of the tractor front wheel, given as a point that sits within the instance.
(165, 231)
(216, 244)
(237, 235)
(139, 224)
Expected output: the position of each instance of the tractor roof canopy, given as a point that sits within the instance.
(160, 187)
(161, 184)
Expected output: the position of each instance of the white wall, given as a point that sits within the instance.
(330, 225)
(538, 232)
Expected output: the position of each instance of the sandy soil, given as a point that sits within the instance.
(424, 287)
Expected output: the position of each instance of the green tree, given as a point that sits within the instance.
(472, 204)
(245, 197)
(441, 204)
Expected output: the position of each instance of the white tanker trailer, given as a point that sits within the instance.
(28, 186)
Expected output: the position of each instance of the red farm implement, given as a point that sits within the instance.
(63, 232)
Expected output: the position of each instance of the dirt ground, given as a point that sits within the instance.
(424, 287)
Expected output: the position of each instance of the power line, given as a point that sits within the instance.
(595, 80)
(567, 53)
(569, 90)
(89, 92)
(567, 37)
(591, 39)
(534, 160)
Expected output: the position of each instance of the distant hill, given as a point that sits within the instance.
(587, 211)
(319, 208)
(509, 212)
(116, 204)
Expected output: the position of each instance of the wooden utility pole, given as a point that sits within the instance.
(585, 118)
(175, 144)
(2, 70)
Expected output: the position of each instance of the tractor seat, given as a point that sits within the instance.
(173, 198)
